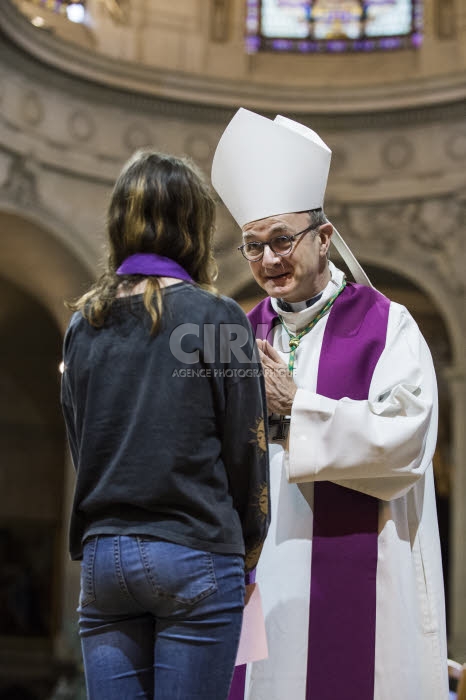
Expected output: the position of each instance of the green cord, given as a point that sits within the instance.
(295, 339)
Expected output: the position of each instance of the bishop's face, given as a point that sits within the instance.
(302, 273)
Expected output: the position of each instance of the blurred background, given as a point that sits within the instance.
(84, 84)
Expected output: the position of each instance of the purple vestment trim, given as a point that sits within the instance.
(152, 264)
(345, 528)
(263, 317)
(238, 682)
(342, 615)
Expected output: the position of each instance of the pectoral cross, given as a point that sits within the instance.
(282, 424)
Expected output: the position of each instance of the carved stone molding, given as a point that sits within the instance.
(81, 126)
(32, 108)
(20, 185)
(320, 114)
(136, 136)
(397, 152)
(427, 232)
(39, 219)
(455, 146)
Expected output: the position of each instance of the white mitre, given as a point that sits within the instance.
(264, 168)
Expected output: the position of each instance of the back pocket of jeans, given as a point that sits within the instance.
(87, 594)
(177, 572)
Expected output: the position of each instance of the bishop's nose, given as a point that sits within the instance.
(270, 258)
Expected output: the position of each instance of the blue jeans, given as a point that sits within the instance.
(158, 620)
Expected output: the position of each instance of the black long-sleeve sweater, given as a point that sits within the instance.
(167, 431)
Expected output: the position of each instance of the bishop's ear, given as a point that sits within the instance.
(325, 234)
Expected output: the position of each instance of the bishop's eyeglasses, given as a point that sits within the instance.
(280, 245)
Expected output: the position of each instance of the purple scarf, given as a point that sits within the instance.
(153, 264)
(341, 646)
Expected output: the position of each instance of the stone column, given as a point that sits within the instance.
(446, 20)
(66, 643)
(456, 377)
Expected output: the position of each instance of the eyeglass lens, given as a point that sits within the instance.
(280, 245)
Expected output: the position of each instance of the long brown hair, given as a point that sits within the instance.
(160, 204)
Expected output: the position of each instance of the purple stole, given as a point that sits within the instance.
(342, 615)
(152, 264)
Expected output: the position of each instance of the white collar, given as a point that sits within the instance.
(297, 319)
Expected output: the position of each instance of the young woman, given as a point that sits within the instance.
(164, 405)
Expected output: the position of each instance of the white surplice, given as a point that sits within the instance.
(382, 447)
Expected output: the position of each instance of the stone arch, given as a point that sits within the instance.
(431, 285)
(39, 270)
(43, 258)
(32, 445)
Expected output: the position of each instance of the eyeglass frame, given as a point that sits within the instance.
(264, 243)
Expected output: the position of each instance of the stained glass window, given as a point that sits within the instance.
(332, 25)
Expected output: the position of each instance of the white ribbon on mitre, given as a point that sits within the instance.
(264, 168)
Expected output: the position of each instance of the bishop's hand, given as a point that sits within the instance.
(279, 384)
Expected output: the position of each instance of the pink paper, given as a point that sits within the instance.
(253, 639)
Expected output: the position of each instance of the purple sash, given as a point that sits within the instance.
(341, 647)
(152, 264)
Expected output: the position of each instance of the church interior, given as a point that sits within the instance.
(84, 84)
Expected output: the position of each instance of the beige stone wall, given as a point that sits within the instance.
(196, 47)
(203, 37)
